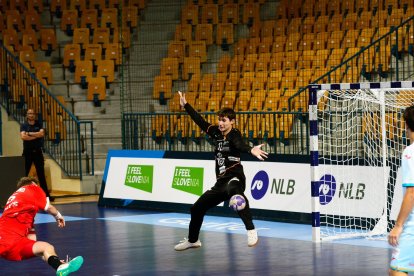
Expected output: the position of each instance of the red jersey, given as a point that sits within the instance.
(21, 209)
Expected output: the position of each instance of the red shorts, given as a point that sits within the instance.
(20, 250)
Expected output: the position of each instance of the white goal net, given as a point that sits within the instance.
(361, 135)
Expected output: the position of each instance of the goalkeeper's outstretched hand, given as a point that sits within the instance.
(183, 101)
(258, 152)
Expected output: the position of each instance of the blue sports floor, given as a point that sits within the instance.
(133, 242)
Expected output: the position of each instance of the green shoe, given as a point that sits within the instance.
(72, 266)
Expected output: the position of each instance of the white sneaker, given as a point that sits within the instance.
(185, 244)
(252, 238)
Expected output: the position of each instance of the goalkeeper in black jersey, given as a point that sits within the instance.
(229, 145)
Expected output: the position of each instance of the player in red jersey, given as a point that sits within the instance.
(17, 234)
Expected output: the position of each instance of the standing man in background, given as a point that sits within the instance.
(32, 134)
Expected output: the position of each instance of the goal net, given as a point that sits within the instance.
(360, 139)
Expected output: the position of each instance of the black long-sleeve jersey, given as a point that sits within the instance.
(227, 147)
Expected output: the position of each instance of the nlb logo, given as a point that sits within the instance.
(260, 184)
(327, 189)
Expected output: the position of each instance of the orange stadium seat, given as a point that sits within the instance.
(292, 42)
(48, 41)
(106, 69)
(321, 23)
(335, 24)
(364, 20)
(101, 35)
(204, 32)
(267, 28)
(169, 66)
(252, 45)
(83, 72)
(43, 71)
(225, 35)
(57, 7)
(349, 22)
(109, 18)
(130, 16)
(183, 32)
(69, 21)
(89, 19)
(71, 54)
(198, 49)
(350, 39)
(162, 88)
(32, 20)
(189, 15)
(99, 5)
(209, 14)
(294, 9)
(11, 39)
(176, 49)
(96, 90)
(321, 8)
(123, 37)
(295, 26)
(230, 13)
(307, 9)
(19, 5)
(27, 56)
(36, 5)
(78, 5)
(251, 13)
(113, 52)
(280, 27)
(307, 26)
(13, 20)
(335, 39)
(279, 44)
(29, 38)
(333, 7)
(81, 37)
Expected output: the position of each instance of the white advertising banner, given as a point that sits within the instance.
(174, 180)
(345, 190)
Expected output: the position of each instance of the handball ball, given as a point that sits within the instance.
(237, 202)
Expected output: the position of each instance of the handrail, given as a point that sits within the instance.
(21, 89)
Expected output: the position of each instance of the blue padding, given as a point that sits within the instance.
(314, 155)
(316, 219)
(313, 127)
(396, 84)
(315, 188)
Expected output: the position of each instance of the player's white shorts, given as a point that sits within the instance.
(402, 258)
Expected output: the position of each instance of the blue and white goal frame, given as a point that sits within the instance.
(313, 132)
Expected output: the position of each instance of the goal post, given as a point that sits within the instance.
(357, 135)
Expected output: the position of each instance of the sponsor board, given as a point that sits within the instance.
(344, 190)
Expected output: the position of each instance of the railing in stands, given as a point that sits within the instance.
(281, 132)
(68, 141)
(379, 51)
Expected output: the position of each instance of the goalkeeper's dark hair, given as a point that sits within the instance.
(227, 112)
(409, 117)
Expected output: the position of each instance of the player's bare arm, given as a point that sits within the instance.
(406, 207)
(58, 216)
